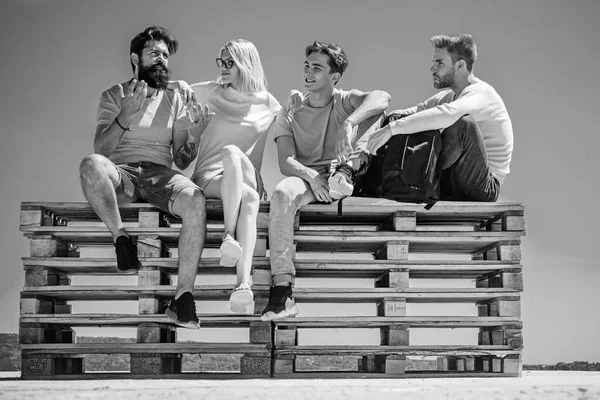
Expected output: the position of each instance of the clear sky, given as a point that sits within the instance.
(542, 56)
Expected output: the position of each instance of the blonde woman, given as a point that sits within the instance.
(230, 153)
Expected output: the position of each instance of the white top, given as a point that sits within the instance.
(481, 102)
(241, 119)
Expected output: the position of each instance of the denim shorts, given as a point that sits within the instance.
(151, 183)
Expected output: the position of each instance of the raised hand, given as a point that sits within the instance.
(200, 116)
(132, 100)
(295, 101)
(320, 188)
(343, 145)
(185, 90)
(378, 139)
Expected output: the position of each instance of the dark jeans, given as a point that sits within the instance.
(466, 174)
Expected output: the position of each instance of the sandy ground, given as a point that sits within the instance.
(547, 385)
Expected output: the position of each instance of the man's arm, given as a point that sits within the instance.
(443, 115)
(435, 117)
(366, 105)
(290, 166)
(109, 135)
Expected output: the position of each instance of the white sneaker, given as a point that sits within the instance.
(241, 298)
(341, 182)
(231, 251)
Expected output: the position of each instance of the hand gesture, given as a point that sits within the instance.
(378, 139)
(320, 188)
(185, 90)
(200, 116)
(295, 102)
(343, 145)
(132, 100)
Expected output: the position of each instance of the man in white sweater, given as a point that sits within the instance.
(477, 131)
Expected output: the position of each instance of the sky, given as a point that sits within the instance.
(542, 57)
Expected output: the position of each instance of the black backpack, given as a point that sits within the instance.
(406, 169)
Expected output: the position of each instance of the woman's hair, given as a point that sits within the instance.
(246, 57)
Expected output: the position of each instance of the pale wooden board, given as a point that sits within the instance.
(304, 267)
(417, 322)
(126, 375)
(430, 350)
(206, 320)
(158, 348)
(406, 375)
(419, 242)
(347, 295)
(227, 320)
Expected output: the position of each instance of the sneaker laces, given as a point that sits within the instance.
(347, 172)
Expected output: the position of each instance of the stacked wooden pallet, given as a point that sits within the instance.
(397, 245)
(384, 235)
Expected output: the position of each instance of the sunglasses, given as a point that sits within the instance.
(225, 63)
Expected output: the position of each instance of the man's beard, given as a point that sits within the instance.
(445, 81)
(156, 76)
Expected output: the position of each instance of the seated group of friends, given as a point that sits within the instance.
(149, 123)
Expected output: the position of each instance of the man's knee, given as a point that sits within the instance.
(190, 204)
(92, 166)
(465, 125)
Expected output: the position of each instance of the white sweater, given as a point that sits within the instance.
(481, 102)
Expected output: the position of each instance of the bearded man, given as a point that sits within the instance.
(477, 137)
(142, 128)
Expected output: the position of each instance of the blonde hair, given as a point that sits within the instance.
(245, 55)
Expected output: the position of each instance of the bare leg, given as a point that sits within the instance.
(98, 180)
(190, 205)
(238, 172)
(232, 184)
(246, 232)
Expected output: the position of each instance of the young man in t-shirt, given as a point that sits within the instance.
(477, 137)
(142, 128)
(308, 140)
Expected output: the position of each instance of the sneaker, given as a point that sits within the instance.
(281, 304)
(341, 182)
(231, 251)
(127, 260)
(241, 298)
(182, 311)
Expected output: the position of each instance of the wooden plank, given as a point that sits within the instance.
(304, 267)
(429, 242)
(349, 295)
(430, 350)
(124, 348)
(394, 335)
(86, 235)
(407, 375)
(206, 320)
(232, 320)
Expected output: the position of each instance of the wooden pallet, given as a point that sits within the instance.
(389, 235)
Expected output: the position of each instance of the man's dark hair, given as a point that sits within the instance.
(155, 34)
(338, 61)
(460, 47)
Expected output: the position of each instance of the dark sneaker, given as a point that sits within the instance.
(281, 304)
(127, 260)
(183, 311)
(341, 182)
